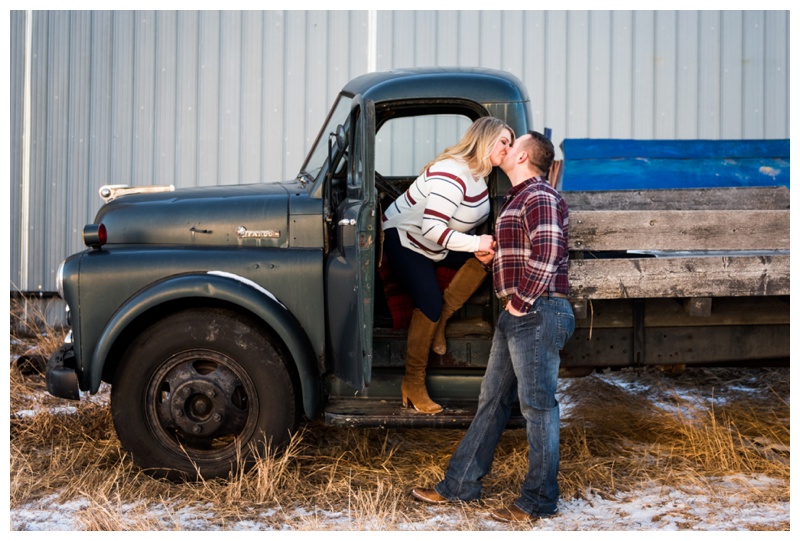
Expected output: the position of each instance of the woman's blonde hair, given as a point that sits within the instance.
(476, 145)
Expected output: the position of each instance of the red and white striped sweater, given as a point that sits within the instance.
(438, 210)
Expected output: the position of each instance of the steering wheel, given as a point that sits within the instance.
(386, 187)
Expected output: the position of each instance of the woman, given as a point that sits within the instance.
(430, 225)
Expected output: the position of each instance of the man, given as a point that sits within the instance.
(530, 278)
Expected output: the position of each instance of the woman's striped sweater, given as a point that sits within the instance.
(438, 210)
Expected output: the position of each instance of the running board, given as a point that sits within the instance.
(390, 413)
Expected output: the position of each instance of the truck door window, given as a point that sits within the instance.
(355, 178)
(404, 145)
(316, 161)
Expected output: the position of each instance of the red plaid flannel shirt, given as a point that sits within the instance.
(532, 250)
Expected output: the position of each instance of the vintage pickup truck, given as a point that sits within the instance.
(223, 316)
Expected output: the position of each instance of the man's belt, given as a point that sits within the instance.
(552, 294)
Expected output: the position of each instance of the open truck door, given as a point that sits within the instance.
(351, 261)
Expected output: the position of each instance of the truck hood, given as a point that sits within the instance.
(254, 214)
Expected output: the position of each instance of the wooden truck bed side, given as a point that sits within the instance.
(664, 274)
(692, 246)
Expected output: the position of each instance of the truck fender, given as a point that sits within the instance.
(226, 287)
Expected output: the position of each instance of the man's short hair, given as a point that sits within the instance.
(540, 151)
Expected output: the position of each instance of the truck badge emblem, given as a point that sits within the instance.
(243, 233)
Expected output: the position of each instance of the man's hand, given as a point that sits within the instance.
(485, 252)
(484, 257)
(514, 312)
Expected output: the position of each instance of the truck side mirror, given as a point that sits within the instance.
(341, 138)
(337, 140)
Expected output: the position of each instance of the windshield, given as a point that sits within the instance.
(319, 152)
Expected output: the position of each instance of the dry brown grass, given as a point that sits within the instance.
(615, 438)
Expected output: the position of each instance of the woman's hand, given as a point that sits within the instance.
(486, 248)
(486, 245)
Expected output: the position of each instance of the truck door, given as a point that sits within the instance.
(351, 261)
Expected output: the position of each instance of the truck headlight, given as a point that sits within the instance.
(60, 280)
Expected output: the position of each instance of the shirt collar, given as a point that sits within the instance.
(522, 185)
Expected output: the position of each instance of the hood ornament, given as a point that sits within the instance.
(113, 191)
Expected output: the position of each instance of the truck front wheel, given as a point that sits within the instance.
(200, 394)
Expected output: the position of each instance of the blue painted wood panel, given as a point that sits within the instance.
(620, 164)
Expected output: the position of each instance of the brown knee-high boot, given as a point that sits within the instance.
(466, 281)
(420, 334)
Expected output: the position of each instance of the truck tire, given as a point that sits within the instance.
(200, 394)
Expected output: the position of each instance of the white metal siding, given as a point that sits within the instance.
(197, 98)
(16, 139)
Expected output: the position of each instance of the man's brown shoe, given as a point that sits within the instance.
(512, 513)
(429, 495)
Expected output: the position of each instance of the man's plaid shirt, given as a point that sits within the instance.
(532, 250)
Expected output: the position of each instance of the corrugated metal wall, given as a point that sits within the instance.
(185, 98)
(621, 74)
(202, 97)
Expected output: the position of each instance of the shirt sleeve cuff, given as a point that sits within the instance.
(519, 305)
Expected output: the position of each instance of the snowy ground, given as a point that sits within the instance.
(652, 508)
(656, 507)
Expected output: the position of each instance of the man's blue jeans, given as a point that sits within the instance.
(523, 364)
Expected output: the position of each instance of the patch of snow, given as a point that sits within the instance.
(653, 507)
